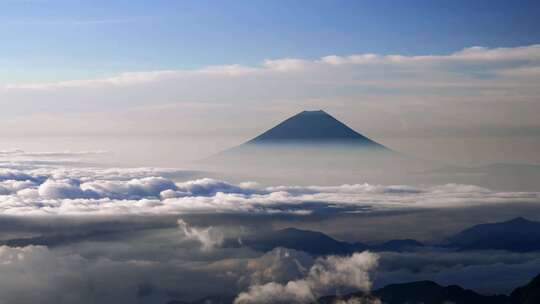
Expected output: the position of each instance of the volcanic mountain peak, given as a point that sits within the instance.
(312, 126)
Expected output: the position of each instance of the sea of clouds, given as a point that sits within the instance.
(75, 233)
(37, 189)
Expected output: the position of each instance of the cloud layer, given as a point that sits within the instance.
(142, 235)
(60, 190)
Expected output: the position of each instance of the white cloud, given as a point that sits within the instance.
(11, 186)
(147, 187)
(63, 190)
(413, 93)
(210, 187)
(228, 70)
(123, 79)
(286, 64)
(14, 153)
(7, 174)
(352, 59)
(208, 237)
(326, 276)
(75, 275)
(472, 55)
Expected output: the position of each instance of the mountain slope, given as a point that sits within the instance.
(318, 243)
(313, 242)
(312, 147)
(428, 292)
(519, 234)
(312, 126)
(528, 294)
(420, 292)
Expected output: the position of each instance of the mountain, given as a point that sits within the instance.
(428, 292)
(519, 235)
(424, 292)
(308, 129)
(419, 292)
(313, 242)
(313, 147)
(313, 127)
(528, 294)
(318, 243)
(397, 245)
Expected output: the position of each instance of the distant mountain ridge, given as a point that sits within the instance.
(499, 236)
(518, 234)
(429, 292)
(424, 292)
(318, 243)
(418, 292)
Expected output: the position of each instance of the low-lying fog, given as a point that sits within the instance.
(491, 163)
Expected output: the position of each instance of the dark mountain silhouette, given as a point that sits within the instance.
(314, 131)
(519, 234)
(425, 292)
(419, 292)
(527, 294)
(428, 292)
(313, 127)
(313, 242)
(318, 243)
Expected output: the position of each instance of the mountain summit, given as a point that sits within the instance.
(313, 127)
(311, 147)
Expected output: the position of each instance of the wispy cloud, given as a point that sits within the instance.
(477, 90)
(498, 61)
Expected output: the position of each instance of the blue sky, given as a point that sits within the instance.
(45, 40)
